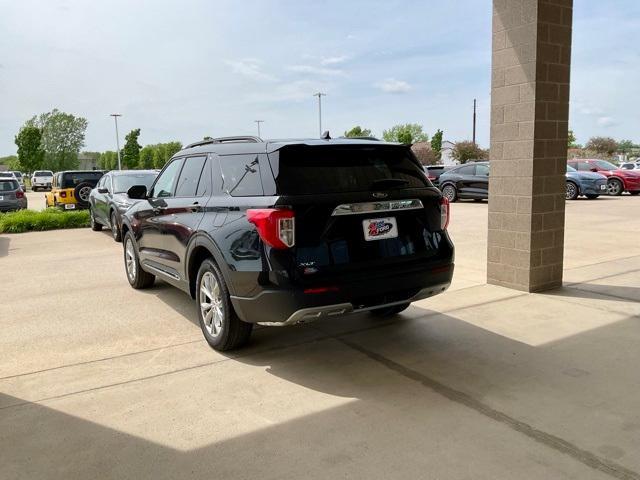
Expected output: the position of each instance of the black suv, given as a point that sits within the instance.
(286, 232)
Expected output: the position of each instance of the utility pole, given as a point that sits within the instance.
(258, 122)
(115, 117)
(474, 121)
(320, 95)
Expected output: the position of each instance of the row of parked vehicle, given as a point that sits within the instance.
(585, 177)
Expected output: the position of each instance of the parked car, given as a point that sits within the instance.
(286, 232)
(12, 196)
(41, 180)
(18, 176)
(109, 200)
(434, 171)
(589, 184)
(630, 166)
(9, 175)
(470, 180)
(71, 189)
(618, 180)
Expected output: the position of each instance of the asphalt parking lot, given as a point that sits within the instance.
(100, 381)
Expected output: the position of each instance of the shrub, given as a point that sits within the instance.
(50, 219)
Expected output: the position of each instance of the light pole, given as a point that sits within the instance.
(320, 95)
(474, 121)
(258, 122)
(115, 117)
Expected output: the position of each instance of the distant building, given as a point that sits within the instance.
(446, 153)
(88, 160)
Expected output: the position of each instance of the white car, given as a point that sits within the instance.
(41, 179)
(9, 175)
(630, 166)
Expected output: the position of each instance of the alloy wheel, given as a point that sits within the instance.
(114, 227)
(83, 193)
(449, 192)
(211, 304)
(614, 187)
(130, 260)
(571, 192)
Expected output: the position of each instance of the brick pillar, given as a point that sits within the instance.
(529, 122)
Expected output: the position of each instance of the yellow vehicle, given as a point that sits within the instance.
(70, 189)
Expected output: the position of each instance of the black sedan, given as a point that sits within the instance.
(109, 200)
(470, 180)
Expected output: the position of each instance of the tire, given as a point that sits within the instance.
(95, 226)
(137, 277)
(450, 192)
(222, 328)
(592, 196)
(635, 193)
(614, 187)
(81, 194)
(572, 191)
(116, 233)
(390, 311)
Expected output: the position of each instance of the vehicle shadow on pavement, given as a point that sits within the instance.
(4, 246)
(597, 291)
(178, 300)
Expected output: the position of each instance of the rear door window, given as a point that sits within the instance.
(309, 170)
(482, 170)
(466, 170)
(190, 176)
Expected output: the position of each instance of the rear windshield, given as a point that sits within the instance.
(304, 170)
(122, 183)
(72, 179)
(43, 174)
(8, 185)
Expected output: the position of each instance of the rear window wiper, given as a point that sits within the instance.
(389, 183)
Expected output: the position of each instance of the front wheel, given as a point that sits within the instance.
(450, 193)
(115, 229)
(137, 277)
(614, 187)
(390, 311)
(222, 328)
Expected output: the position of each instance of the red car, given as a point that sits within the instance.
(618, 180)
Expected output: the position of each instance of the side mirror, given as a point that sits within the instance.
(103, 190)
(137, 192)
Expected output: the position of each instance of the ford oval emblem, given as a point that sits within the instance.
(379, 195)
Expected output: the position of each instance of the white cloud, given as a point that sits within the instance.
(391, 85)
(606, 122)
(334, 60)
(250, 68)
(315, 70)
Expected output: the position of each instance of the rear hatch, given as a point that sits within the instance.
(361, 212)
(8, 189)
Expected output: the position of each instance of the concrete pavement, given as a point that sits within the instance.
(98, 380)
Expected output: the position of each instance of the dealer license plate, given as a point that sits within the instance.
(69, 206)
(379, 228)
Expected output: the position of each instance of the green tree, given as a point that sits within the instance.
(108, 160)
(357, 131)
(162, 152)
(11, 162)
(62, 138)
(602, 145)
(625, 146)
(30, 152)
(146, 158)
(571, 140)
(131, 150)
(467, 150)
(436, 142)
(407, 133)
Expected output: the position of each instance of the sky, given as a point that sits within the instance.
(182, 70)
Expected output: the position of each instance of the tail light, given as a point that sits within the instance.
(276, 227)
(63, 194)
(19, 194)
(431, 177)
(445, 214)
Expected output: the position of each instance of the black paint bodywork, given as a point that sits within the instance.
(472, 185)
(173, 235)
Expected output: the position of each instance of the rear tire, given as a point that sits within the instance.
(95, 226)
(81, 194)
(389, 311)
(222, 328)
(450, 192)
(137, 277)
(571, 192)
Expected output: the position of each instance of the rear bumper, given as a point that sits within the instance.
(288, 307)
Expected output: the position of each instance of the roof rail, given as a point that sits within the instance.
(238, 139)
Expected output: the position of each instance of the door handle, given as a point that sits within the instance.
(195, 207)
